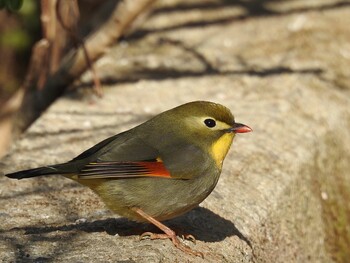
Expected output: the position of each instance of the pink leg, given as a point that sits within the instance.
(168, 233)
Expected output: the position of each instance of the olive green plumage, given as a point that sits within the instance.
(165, 166)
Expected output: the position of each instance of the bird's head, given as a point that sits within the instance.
(209, 125)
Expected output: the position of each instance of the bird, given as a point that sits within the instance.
(159, 169)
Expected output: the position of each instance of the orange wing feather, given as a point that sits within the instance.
(124, 170)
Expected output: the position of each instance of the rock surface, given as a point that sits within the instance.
(282, 69)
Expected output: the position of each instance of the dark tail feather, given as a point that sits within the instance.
(47, 170)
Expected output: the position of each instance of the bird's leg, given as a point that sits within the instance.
(168, 233)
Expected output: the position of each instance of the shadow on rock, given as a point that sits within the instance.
(203, 224)
(206, 226)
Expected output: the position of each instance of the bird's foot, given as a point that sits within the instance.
(168, 233)
(150, 235)
(177, 243)
(189, 237)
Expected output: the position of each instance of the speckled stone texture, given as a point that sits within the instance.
(285, 74)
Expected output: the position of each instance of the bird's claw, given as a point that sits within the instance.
(175, 240)
(152, 236)
(189, 237)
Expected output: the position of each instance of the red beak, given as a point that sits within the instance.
(240, 128)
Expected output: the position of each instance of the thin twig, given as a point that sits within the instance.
(78, 41)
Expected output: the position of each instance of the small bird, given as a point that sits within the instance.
(158, 170)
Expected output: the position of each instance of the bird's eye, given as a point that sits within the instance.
(210, 123)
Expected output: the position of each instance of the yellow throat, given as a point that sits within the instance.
(220, 148)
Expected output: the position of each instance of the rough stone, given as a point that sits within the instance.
(284, 73)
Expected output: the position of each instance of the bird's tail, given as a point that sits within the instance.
(46, 170)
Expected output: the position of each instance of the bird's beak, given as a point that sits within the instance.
(239, 128)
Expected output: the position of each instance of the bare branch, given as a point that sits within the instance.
(71, 29)
(75, 62)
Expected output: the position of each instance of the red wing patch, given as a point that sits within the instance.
(118, 170)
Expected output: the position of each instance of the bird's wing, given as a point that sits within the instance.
(118, 170)
(105, 144)
(121, 156)
(127, 155)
